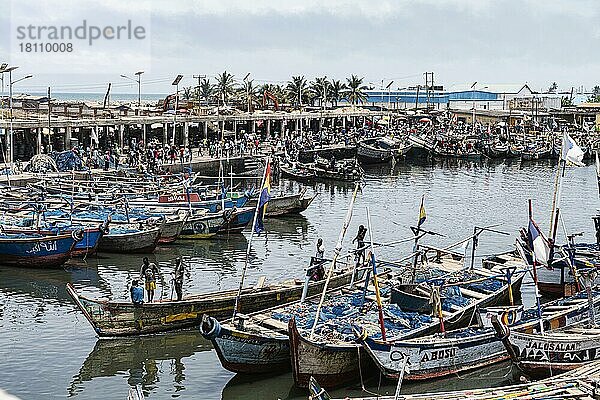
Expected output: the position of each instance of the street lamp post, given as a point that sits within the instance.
(324, 92)
(10, 99)
(176, 84)
(247, 91)
(3, 68)
(139, 83)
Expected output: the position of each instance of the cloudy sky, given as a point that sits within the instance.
(461, 41)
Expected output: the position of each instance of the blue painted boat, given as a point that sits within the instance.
(88, 245)
(37, 250)
(237, 219)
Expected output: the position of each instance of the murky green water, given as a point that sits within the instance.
(48, 350)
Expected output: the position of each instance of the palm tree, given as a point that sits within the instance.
(250, 93)
(337, 90)
(206, 90)
(187, 93)
(320, 89)
(296, 89)
(355, 90)
(225, 86)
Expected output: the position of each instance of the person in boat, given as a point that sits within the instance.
(360, 244)
(320, 250)
(137, 293)
(149, 272)
(178, 278)
(316, 271)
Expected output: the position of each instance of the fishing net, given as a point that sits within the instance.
(68, 161)
(41, 163)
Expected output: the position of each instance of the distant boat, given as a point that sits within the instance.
(380, 150)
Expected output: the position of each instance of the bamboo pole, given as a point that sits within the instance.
(337, 250)
(239, 292)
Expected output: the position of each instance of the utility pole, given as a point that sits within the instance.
(199, 77)
(49, 119)
(428, 85)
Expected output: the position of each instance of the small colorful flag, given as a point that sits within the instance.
(422, 213)
(265, 196)
(538, 244)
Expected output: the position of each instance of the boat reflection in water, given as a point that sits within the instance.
(47, 285)
(142, 359)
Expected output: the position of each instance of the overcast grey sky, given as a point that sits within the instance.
(461, 41)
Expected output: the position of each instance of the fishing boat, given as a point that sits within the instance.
(516, 150)
(573, 385)
(473, 347)
(337, 360)
(535, 153)
(236, 219)
(114, 318)
(171, 229)
(548, 353)
(380, 149)
(202, 225)
(86, 246)
(129, 240)
(287, 204)
(422, 145)
(498, 150)
(37, 250)
(346, 170)
(258, 342)
(297, 172)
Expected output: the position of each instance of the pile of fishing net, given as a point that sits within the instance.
(41, 163)
(101, 214)
(341, 315)
(488, 286)
(68, 161)
(453, 297)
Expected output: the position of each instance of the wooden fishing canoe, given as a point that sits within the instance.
(143, 241)
(260, 343)
(287, 204)
(466, 349)
(203, 226)
(171, 229)
(36, 251)
(336, 362)
(574, 385)
(119, 318)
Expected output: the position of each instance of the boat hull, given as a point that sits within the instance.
(247, 353)
(136, 242)
(170, 231)
(203, 227)
(36, 252)
(125, 319)
(433, 359)
(236, 220)
(546, 355)
(331, 365)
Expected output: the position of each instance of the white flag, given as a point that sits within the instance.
(571, 152)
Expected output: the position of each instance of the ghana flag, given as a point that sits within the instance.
(422, 213)
(265, 196)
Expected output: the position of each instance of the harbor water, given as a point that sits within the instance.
(49, 351)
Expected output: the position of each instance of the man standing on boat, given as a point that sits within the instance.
(360, 245)
(178, 278)
(316, 271)
(149, 272)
